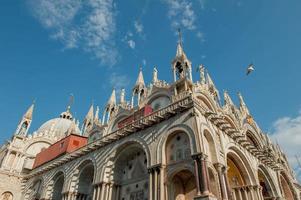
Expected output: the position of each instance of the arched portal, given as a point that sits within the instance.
(85, 187)
(182, 186)
(287, 193)
(238, 178)
(177, 148)
(36, 189)
(58, 186)
(266, 189)
(130, 174)
(7, 196)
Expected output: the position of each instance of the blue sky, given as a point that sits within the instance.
(51, 48)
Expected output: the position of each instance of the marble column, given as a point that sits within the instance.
(221, 175)
(150, 190)
(162, 185)
(201, 169)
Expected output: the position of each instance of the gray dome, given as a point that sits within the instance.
(58, 127)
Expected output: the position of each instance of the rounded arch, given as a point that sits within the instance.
(214, 182)
(231, 121)
(58, 185)
(159, 99)
(7, 195)
(173, 130)
(252, 135)
(34, 189)
(210, 147)
(207, 101)
(50, 184)
(287, 188)
(113, 126)
(236, 159)
(85, 179)
(181, 183)
(129, 171)
(266, 182)
(106, 169)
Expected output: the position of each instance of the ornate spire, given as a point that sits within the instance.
(28, 114)
(227, 98)
(112, 100)
(140, 80)
(180, 50)
(90, 114)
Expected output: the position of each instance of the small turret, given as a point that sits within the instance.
(139, 89)
(88, 121)
(181, 66)
(110, 107)
(25, 122)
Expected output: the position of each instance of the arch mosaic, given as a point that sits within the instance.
(161, 146)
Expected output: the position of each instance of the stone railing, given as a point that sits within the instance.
(177, 106)
(247, 192)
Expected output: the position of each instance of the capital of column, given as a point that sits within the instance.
(199, 156)
(153, 168)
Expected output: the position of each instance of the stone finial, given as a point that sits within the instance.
(202, 74)
(155, 75)
(29, 112)
(122, 96)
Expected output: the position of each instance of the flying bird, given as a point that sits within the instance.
(250, 69)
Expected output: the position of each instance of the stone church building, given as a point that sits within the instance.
(171, 141)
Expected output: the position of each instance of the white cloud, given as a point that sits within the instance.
(143, 62)
(132, 44)
(181, 14)
(287, 132)
(203, 3)
(89, 25)
(201, 36)
(119, 81)
(138, 27)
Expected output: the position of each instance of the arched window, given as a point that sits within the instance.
(7, 196)
(178, 148)
(130, 174)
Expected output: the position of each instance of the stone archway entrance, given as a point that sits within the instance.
(130, 174)
(287, 193)
(182, 186)
(85, 188)
(58, 187)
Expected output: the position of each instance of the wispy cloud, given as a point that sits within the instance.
(138, 27)
(119, 81)
(181, 14)
(200, 35)
(286, 131)
(88, 25)
(132, 44)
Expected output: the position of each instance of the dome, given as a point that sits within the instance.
(58, 127)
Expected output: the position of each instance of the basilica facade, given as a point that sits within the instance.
(171, 141)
